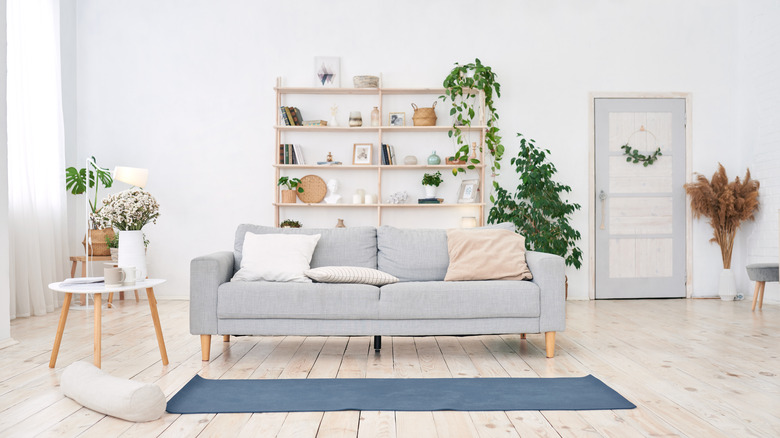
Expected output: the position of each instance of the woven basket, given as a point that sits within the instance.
(366, 81)
(314, 189)
(424, 116)
(99, 246)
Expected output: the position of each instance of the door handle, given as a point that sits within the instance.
(603, 198)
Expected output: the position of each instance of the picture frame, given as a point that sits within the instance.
(327, 71)
(397, 119)
(362, 154)
(469, 189)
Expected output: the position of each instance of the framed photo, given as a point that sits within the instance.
(397, 119)
(361, 153)
(469, 188)
(327, 72)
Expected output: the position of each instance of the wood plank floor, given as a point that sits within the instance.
(695, 368)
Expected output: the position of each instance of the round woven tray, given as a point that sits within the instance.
(314, 189)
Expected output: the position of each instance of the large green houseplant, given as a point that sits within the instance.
(76, 182)
(461, 86)
(536, 207)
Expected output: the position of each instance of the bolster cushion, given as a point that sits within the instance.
(121, 398)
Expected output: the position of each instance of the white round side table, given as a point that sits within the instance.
(97, 289)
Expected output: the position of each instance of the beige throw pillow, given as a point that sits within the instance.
(486, 254)
(350, 274)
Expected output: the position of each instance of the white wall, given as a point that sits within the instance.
(184, 88)
(760, 132)
(5, 285)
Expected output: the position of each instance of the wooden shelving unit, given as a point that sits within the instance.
(280, 129)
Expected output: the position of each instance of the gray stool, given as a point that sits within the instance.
(761, 273)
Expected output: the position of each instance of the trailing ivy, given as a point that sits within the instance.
(461, 87)
(536, 207)
(634, 155)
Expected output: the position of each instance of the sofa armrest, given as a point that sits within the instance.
(549, 274)
(206, 274)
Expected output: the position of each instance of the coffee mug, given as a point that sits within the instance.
(113, 276)
(131, 275)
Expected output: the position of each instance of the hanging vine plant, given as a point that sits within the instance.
(462, 86)
(634, 155)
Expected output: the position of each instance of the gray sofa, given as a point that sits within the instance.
(421, 304)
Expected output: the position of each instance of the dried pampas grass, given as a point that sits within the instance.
(726, 204)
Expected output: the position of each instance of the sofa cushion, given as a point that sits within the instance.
(350, 274)
(486, 255)
(276, 257)
(354, 246)
(416, 254)
(264, 299)
(459, 300)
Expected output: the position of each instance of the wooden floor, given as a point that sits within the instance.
(696, 368)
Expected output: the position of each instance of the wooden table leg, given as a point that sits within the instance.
(157, 328)
(110, 299)
(60, 328)
(98, 317)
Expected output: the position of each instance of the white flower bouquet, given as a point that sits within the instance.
(128, 210)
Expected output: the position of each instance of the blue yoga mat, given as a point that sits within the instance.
(206, 396)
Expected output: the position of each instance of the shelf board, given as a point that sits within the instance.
(374, 166)
(361, 91)
(321, 205)
(377, 128)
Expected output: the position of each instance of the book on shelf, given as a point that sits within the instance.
(430, 200)
(315, 123)
(297, 117)
(298, 154)
(285, 118)
(286, 154)
(329, 163)
(81, 280)
(288, 111)
(392, 154)
(281, 154)
(385, 155)
(293, 156)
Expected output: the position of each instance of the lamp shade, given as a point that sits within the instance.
(468, 222)
(131, 175)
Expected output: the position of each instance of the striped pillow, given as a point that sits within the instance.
(350, 274)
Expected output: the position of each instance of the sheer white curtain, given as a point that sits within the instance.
(36, 156)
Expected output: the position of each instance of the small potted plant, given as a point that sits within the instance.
(113, 245)
(289, 223)
(431, 181)
(293, 188)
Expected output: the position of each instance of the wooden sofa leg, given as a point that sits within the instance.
(205, 347)
(549, 343)
(225, 338)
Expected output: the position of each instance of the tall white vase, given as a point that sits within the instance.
(132, 252)
(727, 286)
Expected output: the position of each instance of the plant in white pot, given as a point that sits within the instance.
(431, 182)
(727, 205)
(128, 211)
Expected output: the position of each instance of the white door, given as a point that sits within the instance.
(640, 210)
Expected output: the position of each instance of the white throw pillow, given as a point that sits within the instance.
(350, 274)
(122, 398)
(276, 257)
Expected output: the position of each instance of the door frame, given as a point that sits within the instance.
(592, 96)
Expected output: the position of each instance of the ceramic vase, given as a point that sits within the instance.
(132, 252)
(434, 159)
(430, 191)
(355, 119)
(727, 286)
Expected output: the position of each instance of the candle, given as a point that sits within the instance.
(357, 199)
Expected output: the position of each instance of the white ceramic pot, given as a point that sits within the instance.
(727, 286)
(430, 191)
(132, 252)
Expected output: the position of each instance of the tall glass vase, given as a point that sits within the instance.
(132, 252)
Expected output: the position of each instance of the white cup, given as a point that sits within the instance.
(114, 276)
(131, 275)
